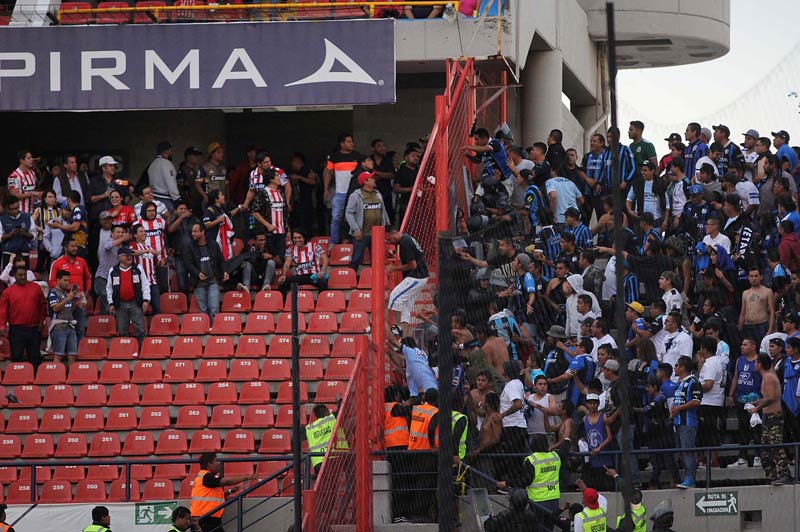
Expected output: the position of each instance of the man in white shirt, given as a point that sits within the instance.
(714, 153)
(677, 342)
(712, 380)
(147, 195)
(600, 336)
(749, 152)
(714, 237)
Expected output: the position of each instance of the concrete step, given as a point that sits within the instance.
(408, 527)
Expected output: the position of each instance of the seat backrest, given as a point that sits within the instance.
(92, 349)
(24, 422)
(164, 324)
(88, 420)
(51, 373)
(187, 347)
(90, 491)
(123, 348)
(205, 441)
(342, 279)
(285, 393)
(344, 346)
(268, 301)
(171, 302)
(157, 394)
(75, 18)
(225, 417)
(221, 393)
(106, 444)
(331, 301)
(258, 417)
(254, 393)
(315, 346)
(189, 393)
(116, 491)
(227, 323)
(58, 395)
(115, 373)
(172, 442)
(251, 346)
(82, 373)
(339, 369)
(38, 446)
(355, 322)
(158, 490)
(121, 418)
(71, 446)
(101, 326)
(310, 369)
(155, 348)
(144, 372)
(305, 301)
(235, 301)
(322, 323)
(218, 347)
(197, 323)
(280, 347)
(276, 370)
(56, 491)
(329, 392)
(239, 441)
(10, 446)
(360, 300)
(259, 323)
(154, 418)
(192, 417)
(179, 371)
(123, 395)
(243, 370)
(18, 373)
(138, 443)
(28, 395)
(341, 254)
(211, 371)
(56, 420)
(275, 442)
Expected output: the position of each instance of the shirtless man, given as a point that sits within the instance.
(476, 400)
(493, 347)
(757, 318)
(774, 461)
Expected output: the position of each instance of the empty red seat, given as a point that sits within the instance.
(285, 393)
(102, 472)
(237, 468)
(225, 417)
(305, 301)
(344, 346)
(90, 491)
(179, 371)
(205, 441)
(29, 396)
(144, 372)
(164, 325)
(18, 373)
(329, 392)
(91, 395)
(154, 418)
(57, 395)
(196, 323)
(56, 492)
(268, 489)
(254, 393)
(121, 418)
(156, 394)
(251, 347)
(284, 325)
(221, 393)
(211, 371)
(189, 393)
(259, 323)
(24, 422)
(218, 347)
(92, 349)
(72, 446)
(101, 327)
(113, 17)
(187, 347)
(238, 441)
(322, 323)
(235, 301)
(123, 348)
(155, 348)
(51, 373)
(275, 442)
(342, 279)
(10, 447)
(186, 488)
(270, 469)
(115, 373)
(243, 370)
(54, 420)
(354, 322)
(141, 472)
(276, 370)
(331, 301)
(158, 490)
(138, 443)
(192, 417)
(315, 346)
(227, 323)
(70, 473)
(89, 420)
(171, 302)
(311, 369)
(339, 369)
(268, 301)
(107, 444)
(170, 471)
(258, 417)
(341, 254)
(280, 347)
(82, 373)
(38, 446)
(365, 279)
(285, 415)
(123, 395)
(117, 489)
(360, 300)
(68, 18)
(172, 442)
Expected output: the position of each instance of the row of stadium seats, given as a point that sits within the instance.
(272, 301)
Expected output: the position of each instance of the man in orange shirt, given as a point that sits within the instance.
(209, 491)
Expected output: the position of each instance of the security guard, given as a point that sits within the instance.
(4, 527)
(319, 434)
(423, 436)
(395, 422)
(397, 412)
(638, 516)
(101, 520)
(182, 521)
(593, 516)
(208, 492)
(460, 424)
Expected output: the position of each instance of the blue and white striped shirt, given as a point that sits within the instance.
(693, 153)
(596, 166)
(732, 156)
(631, 284)
(583, 236)
(627, 165)
(549, 241)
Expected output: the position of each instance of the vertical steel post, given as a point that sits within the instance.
(296, 441)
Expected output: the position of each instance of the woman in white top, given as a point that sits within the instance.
(672, 297)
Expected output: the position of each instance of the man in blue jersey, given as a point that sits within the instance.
(492, 154)
(626, 162)
(582, 367)
(594, 171)
(684, 412)
(573, 224)
(695, 150)
(786, 156)
(791, 374)
(731, 153)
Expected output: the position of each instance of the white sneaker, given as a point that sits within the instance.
(243, 288)
(756, 462)
(741, 462)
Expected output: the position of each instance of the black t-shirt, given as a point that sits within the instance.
(384, 186)
(405, 177)
(210, 480)
(411, 250)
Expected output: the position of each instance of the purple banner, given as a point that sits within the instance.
(197, 66)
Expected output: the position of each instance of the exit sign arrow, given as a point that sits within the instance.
(719, 503)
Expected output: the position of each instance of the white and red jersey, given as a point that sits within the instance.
(145, 260)
(277, 210)
(257, 181)
(306, 258)
(155, 235)
(24, 181)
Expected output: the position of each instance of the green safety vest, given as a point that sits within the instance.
(319, 434)
(593, 520)
(462, 439)
(639, 519)
(546, 467)
(95, 528)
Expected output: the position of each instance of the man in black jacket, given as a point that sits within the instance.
(128, 296)
(518, 518)
(180, 233)
(205, 264)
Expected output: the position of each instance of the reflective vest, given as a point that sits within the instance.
(418, 432)
(462, 438)
(319, 435)
(4, 527)
(205, 499)
(639, 517)
(593, 520)
(395, 429)
(91, 528)
(545, 476)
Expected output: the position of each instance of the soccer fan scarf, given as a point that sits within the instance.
(224, 237)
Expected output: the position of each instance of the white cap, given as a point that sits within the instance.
(107, 159)
(592, 397)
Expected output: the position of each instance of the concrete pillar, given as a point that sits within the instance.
(541, 95)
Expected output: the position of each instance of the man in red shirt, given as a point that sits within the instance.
(81, 276)
(23, 310)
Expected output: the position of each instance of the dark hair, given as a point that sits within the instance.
(10, 200)
(590, 255)
(568, 406)
(99, 512)
(586, 299)
(180, 512)
(260, 156)
(541, 146)
(716, 147)
(408, 341)
(793, 342)
(765, 360)
(320, 411)
(342, 137)
(694, 126)
(432, 396)
(206, 459)
(60, 274)
(511, 369)
(493, 400)
(708, 343)
(374, 142)
(15, 269)
(638, 124)
(481, 132)
(685, 362)
(666, 368)
(557, 134)
(22, 153)
(659, 304)
(135, 227)
(485, 373)
(587, 344)
(594, 384)
(677, 162)
(539, 443)
(214, 195)
(538, 378)
(602, 324)
(765, 141)
(516, 150)
(299, 155)
(391, 392)
(601, 137)
(568, 237)
(179, 202)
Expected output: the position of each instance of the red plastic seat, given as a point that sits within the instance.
(58, 395)
(329, 392)
(56, 492)
(72, 445)
(123, 348)
(331, 301)
(251, 347)
(115, 373)
(141, 472)
(138, 443)
(106, 444)
(101, 326)
(311, 370)
(285, 415)
(51, 373)
(315, 346)
(275, 442)
(155, 348)
(205, 441)
(305, 301)
(189, 393)
(186, 488)
(196, 323)
(170, 471)
(227, 323)
(179, 371)
(341, 254)
(225, 417)
(211, 371)
(342, 279)
(92, 349)
(344, 346)
(271, 469)
(102, 472)
(121, 418)
(156, 394)
(192, 417)
(259, 323)
(360, 300)
(116, 491)
(194, 307)
(90, 491)
(322, 323)
(243, 370)
(218, 347)
(55, 420)
(238, 441)
(82, 373)
(172, 442)
(154, 418)
(145, 372)
(284, 325)
(258, 417)
(10, 447)
(18, 373)
(171, 302)
(221, 393)
(339, 369)
(158, 490)
(268, 301)
(123, 395)
(24, 422)
(276, 370)
(268, 489)
(29, 396)
(69, 473)
(354, 322)
(43, 474)
(235, 301)
(285, 393)
(254, 393)
(365, 279)
(322, 241)
(187, 347)
(238, 468)
(38, 446)
(75, 18)
(89, 420)
(280, 347)
(112, 17)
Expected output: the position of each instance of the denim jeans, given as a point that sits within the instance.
(65, 341)
(79, 314)
(359, 247)
(686, 439)
(338, 204)
(127, 313)
(99, 289)
(208, 299)
(155, 299)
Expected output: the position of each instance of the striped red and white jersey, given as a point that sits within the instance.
(155, 235)
(306, 258)
(277, 210)
(257, 181)
(145, 260)
(24, 181)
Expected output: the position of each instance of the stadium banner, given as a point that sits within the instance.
(197, 66)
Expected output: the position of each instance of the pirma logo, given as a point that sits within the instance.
(325, 74)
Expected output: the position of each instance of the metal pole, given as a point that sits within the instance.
(296, 442)
(446, 446)
(377, 361)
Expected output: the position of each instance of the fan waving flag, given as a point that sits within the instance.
(224, 238)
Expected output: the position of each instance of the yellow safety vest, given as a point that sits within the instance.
(593, 520)
(462, 439)
(319, 435)
(546, 467)
(395, 429)
(91, 528)
(418, 433)
(639, 517)
(205, 499)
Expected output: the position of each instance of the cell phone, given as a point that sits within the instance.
(74, 288)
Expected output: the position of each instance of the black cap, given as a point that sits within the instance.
(163, 146)
(674, 137)
(124, 250)
(725, 129)
(191, 150)
(648, 163)
(782, 134)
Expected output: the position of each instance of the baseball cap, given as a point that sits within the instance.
(590, 498)
(611, 365)
(106, 214)
(649, 164)
(125, 250)
(674, 137)
(214, 146)
(695, 189)
(782, 134)
(636, 307)
(191, 150)
(363, 176)
(164, 145)
(524, 259)
(107, 159)
(725, 129)
(482, 274)
(592, 397)
(557, 331)
(707, 132)
(752, 133)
